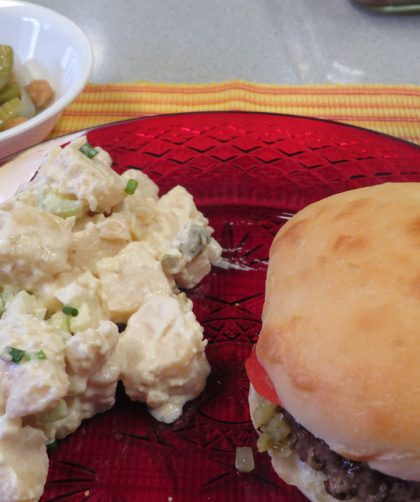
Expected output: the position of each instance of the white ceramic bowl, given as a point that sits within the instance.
(47, 45)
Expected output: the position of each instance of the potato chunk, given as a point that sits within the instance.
(128, 279)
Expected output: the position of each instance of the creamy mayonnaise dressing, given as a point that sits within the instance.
(81, 250)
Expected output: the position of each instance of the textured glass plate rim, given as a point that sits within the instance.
(17, 168)
(4, 160)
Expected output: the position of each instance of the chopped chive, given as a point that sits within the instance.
(68, 310)
(89, 151)
(40, 354)
(16, 354)
(131, 186)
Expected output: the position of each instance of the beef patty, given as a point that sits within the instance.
(345, 478)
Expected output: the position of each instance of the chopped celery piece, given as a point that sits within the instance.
(59, 205)
(9, 92)
(57, 413)
(6, 64)
(10, 110)
(82, 320)
(5, 296)
(60, 321)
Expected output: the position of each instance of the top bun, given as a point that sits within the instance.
(341, 324)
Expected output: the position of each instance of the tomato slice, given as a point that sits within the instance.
(260, 379)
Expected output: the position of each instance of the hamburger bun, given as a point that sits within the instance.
(340, 340)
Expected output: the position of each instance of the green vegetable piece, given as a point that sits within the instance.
(6, 64)
(59, 205)
(9, 92)
(264, 412)
(16, 354)
(60, 322)
(89, 151)
(274, 435)
(131, 186)
(10, 110)
(40, 354)
(5, 297)
(71, 311)
(57, 413)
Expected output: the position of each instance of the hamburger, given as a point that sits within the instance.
(335, 374)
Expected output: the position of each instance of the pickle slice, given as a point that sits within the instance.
(9, 92)
(10, 110)
(6, 64)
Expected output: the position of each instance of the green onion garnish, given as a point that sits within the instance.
(40, 354)
(16, 354)
(68, 310)
(131, 186)
(89, 151)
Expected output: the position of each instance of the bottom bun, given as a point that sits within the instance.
(293, 471)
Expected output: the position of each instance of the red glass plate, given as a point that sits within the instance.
(248, 173)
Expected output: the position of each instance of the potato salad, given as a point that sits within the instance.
(92, 264)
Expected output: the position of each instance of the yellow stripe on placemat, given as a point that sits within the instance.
(393, 109)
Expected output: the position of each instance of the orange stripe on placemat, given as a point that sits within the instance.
(393, 109)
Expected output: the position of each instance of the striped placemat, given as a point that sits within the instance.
(392, 109)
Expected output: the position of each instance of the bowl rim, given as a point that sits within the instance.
(63, 101)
